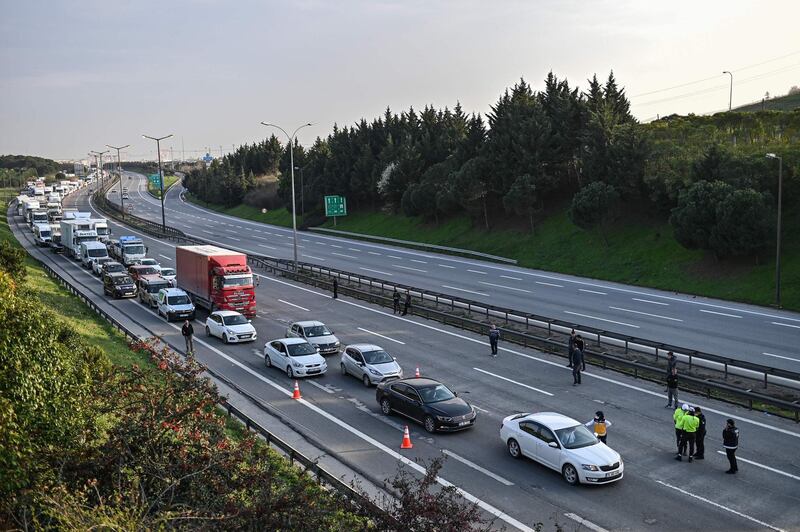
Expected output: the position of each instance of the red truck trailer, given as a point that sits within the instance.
(216, 278)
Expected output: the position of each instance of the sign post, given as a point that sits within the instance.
(335, 206)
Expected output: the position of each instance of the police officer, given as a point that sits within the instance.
(599, 425)
(690, 424)
(701, 433)
(730, 441)
(677, 417)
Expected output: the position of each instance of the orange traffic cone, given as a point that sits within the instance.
(416, 373)
(296, 394)
(406, 440)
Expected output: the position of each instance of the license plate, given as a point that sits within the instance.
(313, 371)
(609, 475)
(463, 423)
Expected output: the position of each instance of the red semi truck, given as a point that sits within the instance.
(216, 278)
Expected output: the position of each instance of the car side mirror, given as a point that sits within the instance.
(249, 321)
(455, 393)
(553, 444)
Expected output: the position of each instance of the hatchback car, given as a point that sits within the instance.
(426, 401)
(174, 303)
(295, 356)
(562, 444)
(112, 267)
(118, 285)
(230, 326)
(97, 265)
(317, 334)
(369, 363)
(148, 287)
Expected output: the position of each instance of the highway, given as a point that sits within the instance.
(746, 332)
(340, 415)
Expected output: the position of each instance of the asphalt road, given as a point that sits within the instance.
(746, 332)
(340, 415)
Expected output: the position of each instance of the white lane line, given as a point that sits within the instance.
(318, 385)
(479, 409)
(336, 246)
(585, 522)
(320, 243)
(592, 291)
(720, 506)
(651, 302)
(343, 255)
(600, 319)
(419, 261)
(236, 239)
(476, 467)
(239, 227)
(164, 256)
(785, 325)
(354, 249)
(645, 313)
(513, 382)
(446, 266)
(314, 258)
(375, 271)
(392, 257)
(720, 313)
(381, 336)
(464, 290)
(409, 268)
(506, 287)
(781, 356)
(262, 238)
(478, 272)
(266, 246)
(207, 232)
(762, 466)
(512, 278)
(550, 284)
(293, 305)
(305, 240)
(231, 231)
(374, 253)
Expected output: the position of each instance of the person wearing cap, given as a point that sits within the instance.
(690, 424)
(677, 417)
(701, 434)
(730, 441)
(599, 425)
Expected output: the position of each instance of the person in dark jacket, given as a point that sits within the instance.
(570, 347)
(730, 441)
(494, 337)
(578, 365)
(407, 303)
(701, 434)
(188, 335)
(672, 388)
(335, 288)
(396, 300)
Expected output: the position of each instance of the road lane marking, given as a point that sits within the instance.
(600, 319)
(478, 272)
(374, 253)
(479, 409)
(446, 266)
(382, 336)
(785, 325)
(720, 506)
(336, 246)
(392, 257)
(651, 302)
(232, 238)
(513, 382)
(550, 284)
(164, 256)
(585, 522)
(318, 385)
(314, 258)
(464, 290)
(762, 466)
(207, 232)
(293, 305)
(512, 278)
(506, 287)
(343, 255)
(476, 467)
(781, 356)
(354, 249)
(409, 268)
(320, 243)
(419, 261)
(720, 313)
(645, 313)
(375, 271)
(592, 291)
(266, 246)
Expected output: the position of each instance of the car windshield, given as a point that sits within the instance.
(178, 300)
(236, 319)
(149, 270)
(102, 230)
(167, 272)
(44, 234)
(316, 330)
(300, 350)
(134, 250)
(435, 394)
(123, 280)
(237, 280)
(377, 357)
(576, 437)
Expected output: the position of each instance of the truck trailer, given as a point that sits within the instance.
(75, 232)
(216, 278)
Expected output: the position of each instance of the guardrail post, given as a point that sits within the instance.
(626, 346)
(765, 379)
(726, 370)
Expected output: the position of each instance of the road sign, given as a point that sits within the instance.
(335, 206)
(155, 179)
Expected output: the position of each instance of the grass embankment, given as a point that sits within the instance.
(280, 217)
(154, 190)
(781, 103)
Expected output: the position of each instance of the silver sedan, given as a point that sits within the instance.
(369, 363)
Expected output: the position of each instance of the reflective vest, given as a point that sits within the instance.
(600, 428)
(690, 423)
(678, 417)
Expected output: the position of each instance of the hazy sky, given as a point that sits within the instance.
(77, 75)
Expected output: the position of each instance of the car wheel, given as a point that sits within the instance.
(366, 381)
(343, 368)
(208, 331)
(513, 448)
(386, 407)
(224, 338)
(267, 361)
(289, 372)
(570, 474)
(430, 425)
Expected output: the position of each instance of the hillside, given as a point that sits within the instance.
(781, 103)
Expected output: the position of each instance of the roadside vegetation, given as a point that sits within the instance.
(282, 216)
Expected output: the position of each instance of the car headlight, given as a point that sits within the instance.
(590, 467)
(444, 418)
(337, 344)
(296, 364)
(375, 372)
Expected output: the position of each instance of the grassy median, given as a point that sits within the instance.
(281, 217)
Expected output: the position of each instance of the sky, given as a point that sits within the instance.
(77, 75)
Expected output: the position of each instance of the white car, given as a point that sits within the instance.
(170, 275)
(369, 363)
(97, 265)
(295, 356)
(174, 303)
(230, 326)
(317, 334)
(562, 444)
(149, 262)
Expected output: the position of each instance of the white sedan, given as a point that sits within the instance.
(295, 356)
(562, 444)
(230, 326)
(169, 275)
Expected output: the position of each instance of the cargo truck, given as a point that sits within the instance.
(216, 278)
(127, 250)
(75, 232)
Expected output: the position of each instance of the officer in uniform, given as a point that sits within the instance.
(690, 424)
(599, 425)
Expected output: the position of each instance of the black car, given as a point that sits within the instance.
(426, 401)
(57, 247)
(118, 285)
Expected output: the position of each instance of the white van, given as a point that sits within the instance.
(91, 251)
(42, 234)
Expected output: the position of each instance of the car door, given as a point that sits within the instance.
(300, 332)
(358, 363)
(292, 333)
(274, 353)
(213, 328)
(550, 456)
(349, 361)
(414, 408)
(528, 439)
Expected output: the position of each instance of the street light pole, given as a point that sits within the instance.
(730, 97)
(291, 163)
(119, 173)
(100, 154)
(302, 191)
(160, 177)
(778, 239)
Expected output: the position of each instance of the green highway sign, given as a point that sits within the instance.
(155, 179)
(335, 206)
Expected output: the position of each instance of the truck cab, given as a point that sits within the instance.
(101, 226)
(128, 249)
(42, 234)
(39, 217)
(91, 251)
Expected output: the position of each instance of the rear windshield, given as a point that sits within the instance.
(97, 252)
(178, 300)
(299, 350)
(149, 270)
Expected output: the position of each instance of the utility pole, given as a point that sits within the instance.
(161, 177)
(119, 173)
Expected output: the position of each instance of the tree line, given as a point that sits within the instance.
(535, 150)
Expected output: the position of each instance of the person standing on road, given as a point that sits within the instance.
(396, 300)
(677, 417)
(578, 365)
(579, 342)
(494, 337)
(690, 424)
(570, 347)
(407, 303)
(672, 363)
(599, 425)
(730, 440)
(701, 433)
(672, 388)
(335, 288)
(188, 336)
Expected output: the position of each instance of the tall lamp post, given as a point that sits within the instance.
(730, 96)
(291, 165)
(119, 173)
(302, 190)
(778, 244)
(160, 177)
(100, 154)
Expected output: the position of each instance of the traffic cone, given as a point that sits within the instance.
(416, 373)
(296, 394)
(406, 440)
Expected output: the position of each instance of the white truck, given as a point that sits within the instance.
(30, 206)
(42, 234)
(38, 217)
(91, 251)
(75, 232)
(127, 250)
(101, 226)
(74, 214)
